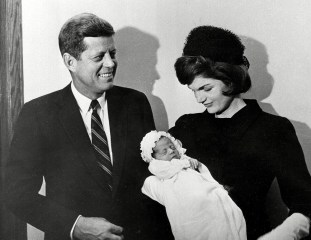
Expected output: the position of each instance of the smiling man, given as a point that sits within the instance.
(84, 141)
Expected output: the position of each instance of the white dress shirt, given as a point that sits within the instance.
(86, 114)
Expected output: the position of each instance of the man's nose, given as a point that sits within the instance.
(199, 96)
(108, 62)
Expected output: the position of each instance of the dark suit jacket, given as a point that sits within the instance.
(51, 141)
(245, 153)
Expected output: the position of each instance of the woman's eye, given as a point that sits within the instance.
(207, 89)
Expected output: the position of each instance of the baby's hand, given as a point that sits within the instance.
(194, 164)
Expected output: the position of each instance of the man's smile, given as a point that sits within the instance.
(105, 75)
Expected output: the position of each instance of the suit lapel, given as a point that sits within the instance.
(117, 112)
(72, 122)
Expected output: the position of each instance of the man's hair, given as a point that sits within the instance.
(73, 32)
(233, 76)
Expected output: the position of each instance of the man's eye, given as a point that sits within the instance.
(207, 89)
(113, 54)
(98, 58)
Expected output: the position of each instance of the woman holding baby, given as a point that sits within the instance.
(243, 147)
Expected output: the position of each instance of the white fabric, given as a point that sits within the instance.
(197, 206)
(86, 113)
(295, 227)
(167, 169)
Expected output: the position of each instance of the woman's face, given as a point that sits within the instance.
(209, 92)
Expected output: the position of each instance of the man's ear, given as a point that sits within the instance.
(70, 62)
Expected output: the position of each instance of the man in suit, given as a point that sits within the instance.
(84, 141)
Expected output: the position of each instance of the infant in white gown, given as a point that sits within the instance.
(197, 206)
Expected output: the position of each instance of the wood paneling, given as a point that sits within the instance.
(11, 100)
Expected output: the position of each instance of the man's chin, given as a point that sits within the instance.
(110, 86)
(107, 86)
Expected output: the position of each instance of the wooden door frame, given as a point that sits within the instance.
(11, 101)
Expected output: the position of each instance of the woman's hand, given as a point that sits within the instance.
(194, 164)
(294, 227)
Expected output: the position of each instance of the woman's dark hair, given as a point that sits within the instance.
(217, 53)
(70, 38)
(233, 76)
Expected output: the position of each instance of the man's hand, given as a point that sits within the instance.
(93, 228)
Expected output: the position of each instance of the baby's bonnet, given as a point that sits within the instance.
(149, 141)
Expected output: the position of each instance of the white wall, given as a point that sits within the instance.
(150, 36)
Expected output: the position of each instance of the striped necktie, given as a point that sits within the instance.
(100, 143)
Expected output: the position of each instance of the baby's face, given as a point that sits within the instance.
(165, 150)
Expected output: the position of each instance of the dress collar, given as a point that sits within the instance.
(251, 108)
(237, 125)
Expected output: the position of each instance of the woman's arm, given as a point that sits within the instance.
(291, 171)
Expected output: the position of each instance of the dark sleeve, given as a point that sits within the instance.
(148, 116)
(184, 130)
(152, 220)
(155, 222)
(24, 175)
(291, 171)
(179, 128)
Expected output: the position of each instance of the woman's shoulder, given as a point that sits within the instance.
(258, 110)
(274, 123)
(273, 119)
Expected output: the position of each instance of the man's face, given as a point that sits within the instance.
(165, 150)
(96, 68)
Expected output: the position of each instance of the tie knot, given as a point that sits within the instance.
(94, 104)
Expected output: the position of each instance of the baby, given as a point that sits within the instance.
(198, 207)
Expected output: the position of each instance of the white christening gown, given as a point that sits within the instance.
(197, 206)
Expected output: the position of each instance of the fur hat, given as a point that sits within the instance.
(217, 44)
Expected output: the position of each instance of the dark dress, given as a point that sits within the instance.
(245, 153)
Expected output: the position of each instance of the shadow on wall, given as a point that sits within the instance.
(137, 59)
(262, 85)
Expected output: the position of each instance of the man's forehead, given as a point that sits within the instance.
(99, 43)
